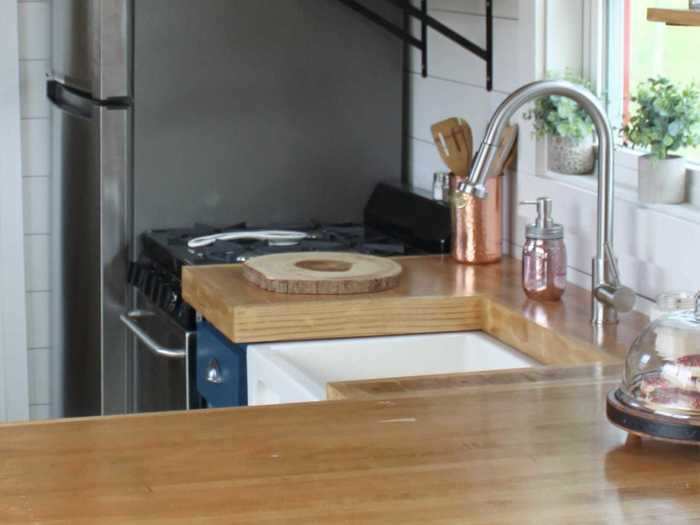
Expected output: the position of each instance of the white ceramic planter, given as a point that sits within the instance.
(570, 157)
(662, 181)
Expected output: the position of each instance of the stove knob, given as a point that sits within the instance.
(164, 295)
(159, 295)
(173, 301)
(142, 277)
(157, 290)
(148, 282)
(152, 286)
(134, 273)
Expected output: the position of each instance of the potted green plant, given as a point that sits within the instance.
(568, 130)
(666, 118)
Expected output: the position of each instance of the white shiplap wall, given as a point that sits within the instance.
(456, 85)
(34, 49)
(524, 48)
(456, 79)
(655, 244)
(526, 44)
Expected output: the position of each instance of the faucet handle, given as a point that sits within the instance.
(621, 298)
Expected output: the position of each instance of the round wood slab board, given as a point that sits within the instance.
(322, 273)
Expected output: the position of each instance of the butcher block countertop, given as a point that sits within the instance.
(439, 385)
(527, 447)
(435, 294)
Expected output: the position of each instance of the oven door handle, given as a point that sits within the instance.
(129, 319)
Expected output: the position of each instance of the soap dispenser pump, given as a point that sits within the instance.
(544, 255)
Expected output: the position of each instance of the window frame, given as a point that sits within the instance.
(592, 62)
(602, 73)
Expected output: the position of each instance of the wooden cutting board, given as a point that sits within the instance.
(322, 273)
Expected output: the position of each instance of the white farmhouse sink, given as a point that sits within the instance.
(296, 372)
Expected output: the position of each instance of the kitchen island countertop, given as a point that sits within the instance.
(529, 446)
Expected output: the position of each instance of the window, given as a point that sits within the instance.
(639, 49)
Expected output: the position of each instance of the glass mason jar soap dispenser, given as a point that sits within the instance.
(544, 255)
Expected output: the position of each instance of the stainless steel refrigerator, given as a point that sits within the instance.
(171, 112)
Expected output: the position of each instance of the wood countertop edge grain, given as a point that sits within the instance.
(436, 295)
(454, 384)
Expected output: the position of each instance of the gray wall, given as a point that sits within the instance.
(267, 111)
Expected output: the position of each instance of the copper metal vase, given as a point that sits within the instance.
(476, 224)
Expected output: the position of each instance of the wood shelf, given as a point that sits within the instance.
(674, 17)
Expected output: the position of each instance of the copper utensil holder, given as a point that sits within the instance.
(476, 223)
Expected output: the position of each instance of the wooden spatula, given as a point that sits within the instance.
(453, 138)
(506, 152)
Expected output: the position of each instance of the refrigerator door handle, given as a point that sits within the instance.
(69, 100)
(129, 319)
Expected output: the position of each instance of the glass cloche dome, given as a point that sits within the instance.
(660, 391)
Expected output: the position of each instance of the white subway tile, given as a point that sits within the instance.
(32, 78)
(39, 387)
(36, 147)
(34, 30)
(38, 319)
(36, 262)
(36, 205)
(39, 412)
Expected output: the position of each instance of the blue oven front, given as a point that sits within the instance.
(221, 368)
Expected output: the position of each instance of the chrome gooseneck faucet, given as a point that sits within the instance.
(609, 296)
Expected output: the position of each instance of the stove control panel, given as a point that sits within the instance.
(163, 290)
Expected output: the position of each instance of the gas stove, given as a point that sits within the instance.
(398, 221)
(170, 247)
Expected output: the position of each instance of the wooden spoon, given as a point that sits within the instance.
(506, 152)
(453, 138)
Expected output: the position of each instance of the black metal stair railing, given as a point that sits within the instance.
(427, 21)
